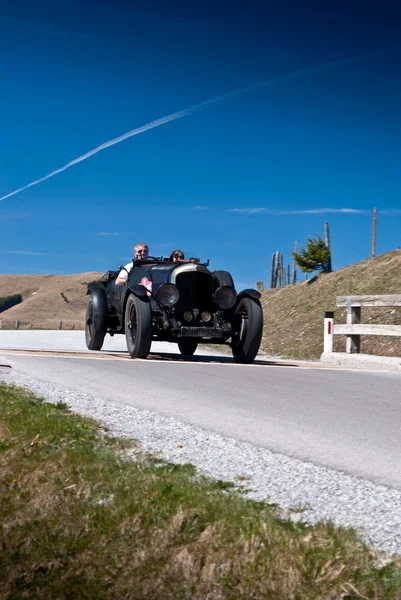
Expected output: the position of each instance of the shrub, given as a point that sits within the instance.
(9, 301)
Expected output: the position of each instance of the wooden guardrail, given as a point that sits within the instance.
(353, 329)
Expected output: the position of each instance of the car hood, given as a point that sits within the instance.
(187, 268)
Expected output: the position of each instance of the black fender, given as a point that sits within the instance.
(100, 307)
(134, 288)
(94, 287)
(249, 293)
(137, 289)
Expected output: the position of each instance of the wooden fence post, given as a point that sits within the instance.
(273, 271)
(61, 325)
(294, 270)
(327, 236)
(374, 228)
(277, 269)
(353, 345)
(282, 270)
(16, 324)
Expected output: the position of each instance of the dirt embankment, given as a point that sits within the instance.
(47, 300)
(294, 314)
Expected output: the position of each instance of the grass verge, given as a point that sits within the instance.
(84, 515)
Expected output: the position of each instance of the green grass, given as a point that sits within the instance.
(84, 515)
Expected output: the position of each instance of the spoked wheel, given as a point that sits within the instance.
(248, 330)
(187, 347)
(94, 337)
(138, 326)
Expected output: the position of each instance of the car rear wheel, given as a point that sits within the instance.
(248, 327)
(222, 278)
(138, 326)
(94, 336)
(187, 347)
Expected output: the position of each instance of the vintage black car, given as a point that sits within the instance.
(181, 302)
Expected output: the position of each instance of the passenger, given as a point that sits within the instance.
(177, 256)
(141, 250)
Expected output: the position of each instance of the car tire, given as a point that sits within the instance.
(138, 326)
(187, 347)
(222, 278)
(248, 330)
(96, 311)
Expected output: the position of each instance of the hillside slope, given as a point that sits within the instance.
(294, 314)
(47, 300)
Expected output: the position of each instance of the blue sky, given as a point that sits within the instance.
(234, 182)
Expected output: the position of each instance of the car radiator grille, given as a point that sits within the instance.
(196, 291)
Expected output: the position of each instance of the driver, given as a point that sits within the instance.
(141, 250)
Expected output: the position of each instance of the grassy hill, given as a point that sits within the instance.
(47, 300)
(293, 315)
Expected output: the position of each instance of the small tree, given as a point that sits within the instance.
(314, 257)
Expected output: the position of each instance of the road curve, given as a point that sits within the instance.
(346, 420)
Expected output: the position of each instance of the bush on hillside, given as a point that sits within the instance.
(9, 301)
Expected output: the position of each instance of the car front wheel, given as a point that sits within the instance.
(187, 347)
(248, 327)
(138, 326)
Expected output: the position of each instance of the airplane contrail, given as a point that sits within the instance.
(306, 211)
(201, 106)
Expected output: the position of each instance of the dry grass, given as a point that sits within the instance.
(79, 519)
(47, 300)
(294, 314)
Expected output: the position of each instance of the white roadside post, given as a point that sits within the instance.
(328, 332)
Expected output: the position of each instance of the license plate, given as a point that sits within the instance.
(201, 332)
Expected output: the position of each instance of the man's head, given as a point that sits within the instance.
(141, 250)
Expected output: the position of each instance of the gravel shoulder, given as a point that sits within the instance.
(304, 491)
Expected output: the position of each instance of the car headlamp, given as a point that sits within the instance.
(225, 297)
(167, 295)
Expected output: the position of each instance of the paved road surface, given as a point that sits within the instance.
(74, 341)
(347, 420)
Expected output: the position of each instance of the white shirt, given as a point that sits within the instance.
(123, 274)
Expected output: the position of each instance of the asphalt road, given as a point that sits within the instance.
(347, 420)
